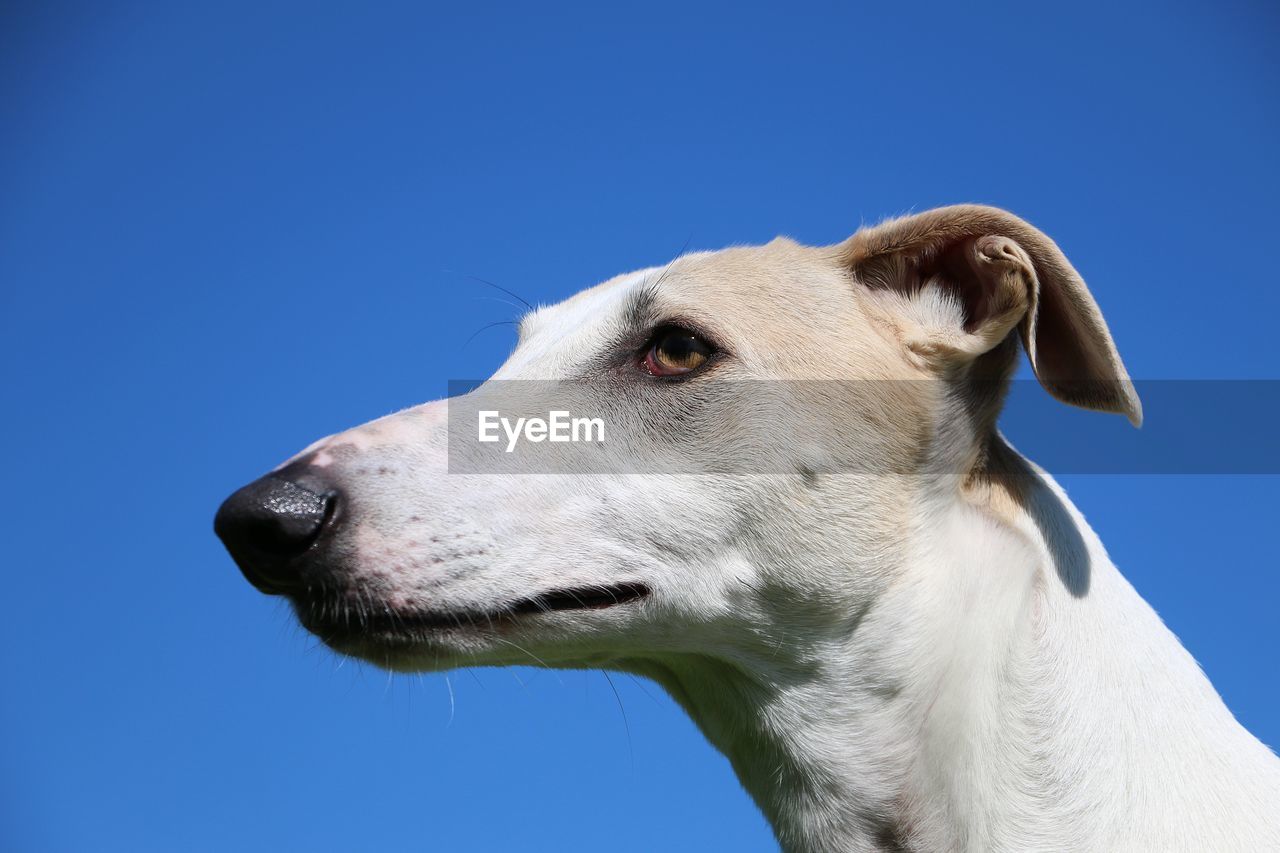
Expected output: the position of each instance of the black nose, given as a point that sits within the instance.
(271, 522)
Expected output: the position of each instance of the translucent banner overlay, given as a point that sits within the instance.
(612, 425)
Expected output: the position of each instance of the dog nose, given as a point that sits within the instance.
(269, 523)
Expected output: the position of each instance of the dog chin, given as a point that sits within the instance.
(403, 641)
(423, 640)
(423, 654)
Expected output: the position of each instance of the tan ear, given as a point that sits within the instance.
(1003, 272)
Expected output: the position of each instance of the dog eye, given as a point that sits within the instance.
(674, 351)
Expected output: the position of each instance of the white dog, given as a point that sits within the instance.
(899, 631)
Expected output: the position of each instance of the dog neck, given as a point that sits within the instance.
(1009, 690)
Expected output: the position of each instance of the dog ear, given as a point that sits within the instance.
(1000, 272)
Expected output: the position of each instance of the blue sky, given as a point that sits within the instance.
(227, 230)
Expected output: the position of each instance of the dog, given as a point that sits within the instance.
(899, 631)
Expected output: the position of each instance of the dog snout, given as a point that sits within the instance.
(272, 524)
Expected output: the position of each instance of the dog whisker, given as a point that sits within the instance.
(512, 294)
(486, 327)
(626, 725)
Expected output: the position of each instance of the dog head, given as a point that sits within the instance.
(772, 417)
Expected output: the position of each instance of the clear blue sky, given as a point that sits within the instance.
(227, 231)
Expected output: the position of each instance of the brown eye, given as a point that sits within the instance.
(675, 351)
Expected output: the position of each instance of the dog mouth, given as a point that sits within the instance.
(353, 618)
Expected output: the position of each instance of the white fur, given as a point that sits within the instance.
(886, 664)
